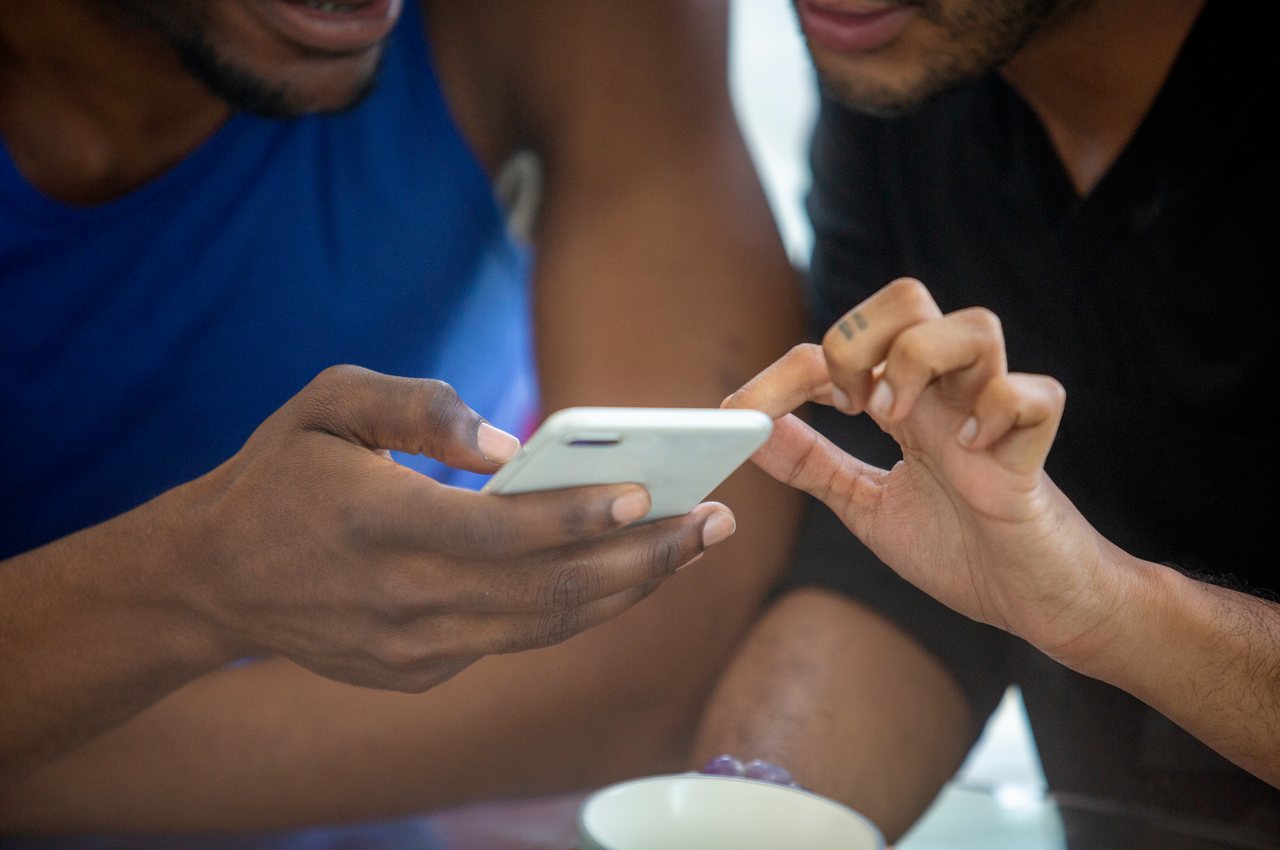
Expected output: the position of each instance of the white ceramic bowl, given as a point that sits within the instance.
(692, 811)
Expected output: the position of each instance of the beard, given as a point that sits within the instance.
(184, 25)
(978, 36)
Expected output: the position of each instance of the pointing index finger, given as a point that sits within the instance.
(797, 377)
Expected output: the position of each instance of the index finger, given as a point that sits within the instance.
(801, 375)
(567, 578)
(417, 514)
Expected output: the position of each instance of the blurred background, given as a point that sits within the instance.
(776, 100)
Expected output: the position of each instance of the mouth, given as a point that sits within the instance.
(854, 26)
(337, 27)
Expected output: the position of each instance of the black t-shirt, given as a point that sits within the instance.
(1145, 300)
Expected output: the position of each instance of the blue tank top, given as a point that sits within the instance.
(142, 340)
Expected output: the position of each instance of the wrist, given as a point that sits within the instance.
(104, 632)
(1118, 595)
(169, 541)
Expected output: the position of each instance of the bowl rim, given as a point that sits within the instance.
(695, 775)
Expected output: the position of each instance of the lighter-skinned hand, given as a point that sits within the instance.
(969, 515)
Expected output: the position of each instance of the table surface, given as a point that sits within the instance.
(962, 818)
(995, 818)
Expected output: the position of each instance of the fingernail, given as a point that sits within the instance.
(840, 399)
(968, 431)
(718, 527)
(881, 399)
(496, 446)
(630, 506)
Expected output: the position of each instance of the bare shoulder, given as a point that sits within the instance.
(553, 74)
(472, 45)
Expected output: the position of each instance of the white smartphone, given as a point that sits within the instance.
(678, 454)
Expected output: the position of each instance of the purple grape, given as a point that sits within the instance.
(723, 765)
(768, 772)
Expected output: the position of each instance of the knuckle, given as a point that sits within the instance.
(666, 554)
(559, 626)
(321, 402)
(400, 654)
(912, 348)
(805, 355)
(570, 587)
(802, 350)
(988, 319)
(434, 388)
(984, 321)
(442, 412)
(580, 519)
(1002, 391)
(909, 294)
(340, 375)
(440, 404)
(336, 385)
(1055, 392)
(804, 458)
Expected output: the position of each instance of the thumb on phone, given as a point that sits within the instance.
(414, 415)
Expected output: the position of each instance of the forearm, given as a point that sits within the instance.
(94, 630)
(851, 705)
(272, 745)
(1206, 657)
(660, 281)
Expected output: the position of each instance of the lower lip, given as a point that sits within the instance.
(853, 31)
(334, 32)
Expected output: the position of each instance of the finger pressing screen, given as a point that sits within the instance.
(797, 377)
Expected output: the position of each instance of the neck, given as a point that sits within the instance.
(91, 104)
(1092, 76)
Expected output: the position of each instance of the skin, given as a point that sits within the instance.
(970, 517)
(946, 42)
(227, 48)
(847, 701)
(1004, 545)
(113, 729)
(374, 597)
(1090, 69)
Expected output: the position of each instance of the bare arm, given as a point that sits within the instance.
(971, 518)
(1204, 656)
(847, 702)
(660, 281)
(78, 653)
(311, 544)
